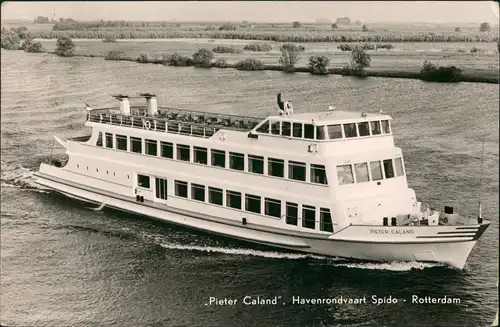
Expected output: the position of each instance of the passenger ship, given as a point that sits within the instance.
(330, 183)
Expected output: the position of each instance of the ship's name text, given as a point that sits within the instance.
(392, 231)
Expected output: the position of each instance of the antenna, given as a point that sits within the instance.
(479, 217)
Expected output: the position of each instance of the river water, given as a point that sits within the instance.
(65, 265)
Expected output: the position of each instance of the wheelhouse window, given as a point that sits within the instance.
(161, 188)
(308, 216)
(286, 128)
(233, 199)
(375, 125)
(252, 203)
(385, 127)
(136, 144)
(276, 167)
(275, 127)
(320, 132)
(236, 161)
(215, 195)
(121, 142)
(361, 170)
(297, 130)
(200, 155)
(364, 129)
(181, 189)
(376, 170)
(309, 131)
(151, 147)
(218, 158)
(297, 170)
(198, 192)
(99, 139)
(109, 140)
(325, 220)
(183, 152)
(255, 164)
(398, 162)
(143, 181)
(388, 168)
(318, 174)
(334, 132)
(167, 150)
(272, 207)
(292, 213)
(264, 128)
(350, 130)
(344, 174)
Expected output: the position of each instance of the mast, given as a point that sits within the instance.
(479, 217)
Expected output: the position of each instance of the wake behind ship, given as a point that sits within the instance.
(331, 183)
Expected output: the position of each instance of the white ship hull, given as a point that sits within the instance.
(450, 245)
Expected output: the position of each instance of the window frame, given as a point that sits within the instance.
(316, 167)
(229, 203)
(367, 172)
(343, 170)
(275, 161)
(211, 191)
(292, 165)
(147, 177)
(291, 220)
(177, 184)
(380, 170)
(179, 147)
(309, 208)
(196, 190)
(148, 142)
(240, 156)
(139, 141)
(121, 138)
(388, 170)
(167, 145)
(300, 131)
(219, 153)
(251, 165)
(253, 197)
(367, 124)
(330, 132)
(109, 137)
(196, 151)
(268, 210)
(346, 128)
(401, 166)
(322, 213)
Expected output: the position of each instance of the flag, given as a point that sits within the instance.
(87, 106)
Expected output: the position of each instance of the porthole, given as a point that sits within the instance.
(77, 166)
(114, 174)
(97, 170)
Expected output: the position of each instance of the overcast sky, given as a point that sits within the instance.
(277, 11)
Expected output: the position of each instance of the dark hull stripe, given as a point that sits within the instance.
(473, 232)
(446, 236)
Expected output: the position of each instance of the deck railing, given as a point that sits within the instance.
(172, 120)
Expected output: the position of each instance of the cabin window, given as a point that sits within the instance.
(252, 203)
(233, 199)
(297, 130)
(151, 147)
(236, 161)
(109, 140)
(272, 208)
(275, 127)
(198, 192)
(385, 127)
(255, 164)
(121, 142)
(218, 158)
(309, 131)
(136, 144)
(344, 174)
(318, 174)
(99, 139)
(292, 213)
(183, 152)
(161, 188)
(350, 130)
(334, 132)
(376, 170)
(308, 217)
(362, 172)
(320, 132)
(264, 128)
(325, 220)
(388, 168)
(200, 155)
(297, 170)
(276, 167)
(143, 181)
(181, 189)
(364, 129)
(167, 150)
(286, 128)
(215, 195)
(375, 125)
(398, 162)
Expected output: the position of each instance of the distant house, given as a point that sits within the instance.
(343, 21)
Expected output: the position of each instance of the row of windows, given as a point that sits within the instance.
(252, 203)
(236, 161)
(372, 171)
(336, 131)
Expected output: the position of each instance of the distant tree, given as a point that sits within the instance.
(41, 20)
(203, 58)
(359, 59)
(296, 24)
(343, 21)
(35, 47)
(364, 28)
(457, 29)
(143, 58)
(10, 40)
(65, 47)
(484, 27)
(289, 56)
(228, 27)
(318, 65)
(334, 26)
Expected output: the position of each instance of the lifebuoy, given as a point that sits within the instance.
(147, 124)
(445, 220)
